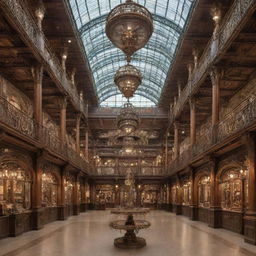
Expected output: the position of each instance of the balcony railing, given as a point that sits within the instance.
(21, 16)
(138, 171)
(236, 16)
(242, 118)
(13, 119)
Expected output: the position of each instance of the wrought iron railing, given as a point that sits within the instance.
(242, 118)
(138, 171)
(14, 119)
(219, 42)
(27, 25)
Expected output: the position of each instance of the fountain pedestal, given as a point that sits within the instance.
(130, 240)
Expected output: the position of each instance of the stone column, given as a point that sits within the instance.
(76, 205)
(192, 121)
(176, 140)
(78, 120)
(250, 215)
(215, 78)
(193, 206)
(63, 124)
(215, 210)
(166, 152)
(62, 214)
(36, 202)
(86, 153)
(179, 203)
(37, 73)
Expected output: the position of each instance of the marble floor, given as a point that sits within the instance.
(89, 235)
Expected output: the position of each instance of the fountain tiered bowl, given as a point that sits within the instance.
(131, 226)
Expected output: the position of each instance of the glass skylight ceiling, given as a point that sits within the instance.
(153, 60)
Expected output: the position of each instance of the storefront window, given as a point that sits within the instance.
(231, 185)
(15, 189)
(204, 191)
(186, 193)
(49, 190)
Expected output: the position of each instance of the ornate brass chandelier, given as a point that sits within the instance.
(129, 27)
(127, 120)
(128, 78)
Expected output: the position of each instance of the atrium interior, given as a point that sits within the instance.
(127, 127)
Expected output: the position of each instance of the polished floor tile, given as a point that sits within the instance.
(90, 235)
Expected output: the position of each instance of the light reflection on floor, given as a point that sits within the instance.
(90, 235)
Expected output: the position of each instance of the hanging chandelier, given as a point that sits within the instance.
(128, 78)
(129, 27)
(127, 120)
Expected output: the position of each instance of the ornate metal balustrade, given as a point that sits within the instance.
(17, 120)
(230, 27)
(13, 119)
(19, 14)
(122, 171)
(242, 118)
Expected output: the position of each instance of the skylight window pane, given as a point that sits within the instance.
(153, 60)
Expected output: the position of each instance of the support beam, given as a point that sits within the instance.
(78, 120)
(192, 121)
(63, 117)
(86, 153)
(37, 73)
(176, 140)
(215, 78)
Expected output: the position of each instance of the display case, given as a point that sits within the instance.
(105, 195)
(186, 192)
(232, 190)
(15, 189)
(69, 190)
(204, 192)
(49, 190)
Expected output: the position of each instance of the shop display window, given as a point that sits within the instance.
(49, 190)
(232, 189)
(15, 189)
(204, 191)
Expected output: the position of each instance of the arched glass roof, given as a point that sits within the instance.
(118, 100)
(154, 60)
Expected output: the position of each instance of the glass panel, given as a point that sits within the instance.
(154, 60)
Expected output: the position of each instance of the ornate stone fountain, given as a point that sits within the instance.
(130, 225)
